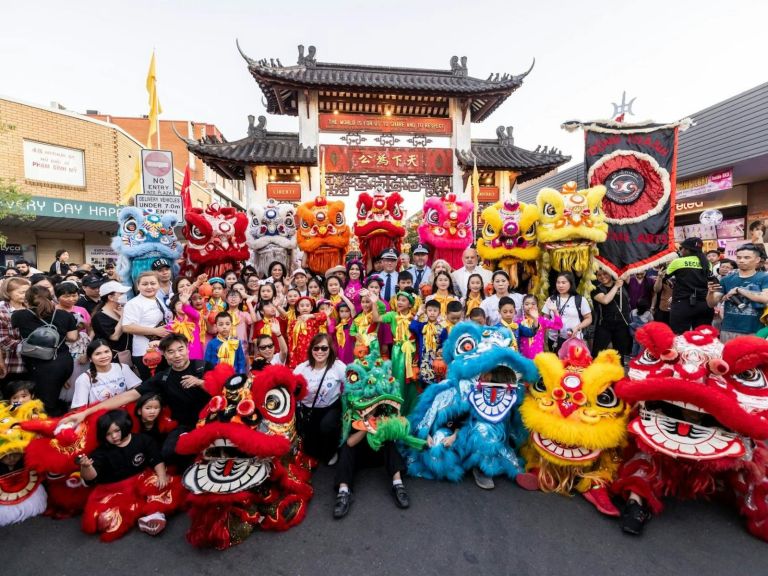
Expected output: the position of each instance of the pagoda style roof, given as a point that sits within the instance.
(260, 147)
(502, 154)
(280, 84)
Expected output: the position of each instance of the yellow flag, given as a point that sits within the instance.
(134, 185)
(154, 102)
(475, 196)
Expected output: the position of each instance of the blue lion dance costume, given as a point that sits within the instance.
(471, 416)
(143, 236)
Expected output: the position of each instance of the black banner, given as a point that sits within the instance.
(637, 165)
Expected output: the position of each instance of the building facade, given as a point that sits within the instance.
(75, 168)
(364, 128)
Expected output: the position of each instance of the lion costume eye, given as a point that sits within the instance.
(289, 222)
(607, 398)
(465, 344)
(196, 233)
(277, 403)
(488, 230)
(396, 211)
(304, 224)
(130, 226)
(432, 217)
(339, 219)
(549, 210)
(647, 358)
(539, 386)
(752, 378)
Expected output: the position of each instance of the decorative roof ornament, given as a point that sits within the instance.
(259, 130)
(250, 61)
(505, 135)
(309, 60)
(459, 69)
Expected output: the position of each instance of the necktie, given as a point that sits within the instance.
(419, 275)
(388, 287)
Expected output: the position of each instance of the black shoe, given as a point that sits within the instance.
(400, 496)
(343, 502)
(633, 518)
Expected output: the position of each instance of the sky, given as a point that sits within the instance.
(674, 56)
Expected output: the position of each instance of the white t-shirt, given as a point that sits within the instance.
(119, 379)
(491, 307)
(147, 312)
(461, 277)
(332, 384)
(566, 307)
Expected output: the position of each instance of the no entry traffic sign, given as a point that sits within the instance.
(157, 172)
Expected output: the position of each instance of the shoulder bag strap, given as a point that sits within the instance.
(319, 386)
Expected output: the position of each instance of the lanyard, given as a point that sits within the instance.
(561, 308)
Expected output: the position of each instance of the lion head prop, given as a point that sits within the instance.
(447, 228)
(323, 234)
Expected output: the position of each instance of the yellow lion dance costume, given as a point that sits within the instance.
(577, 424)
(508, 238)
(571, 224)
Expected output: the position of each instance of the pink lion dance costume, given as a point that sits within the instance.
(447, 228)
(701, 421)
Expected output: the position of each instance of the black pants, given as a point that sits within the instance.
(168, 450)
(612, 334)
(321, 433)
(363, 456)
(49, 377)
(684, 316)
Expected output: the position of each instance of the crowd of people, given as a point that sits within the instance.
(152, 343)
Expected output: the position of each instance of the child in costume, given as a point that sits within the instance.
(132, 484)
(241, 320)
(530, 346)
(364, 328)
(475, 293)
(302, 330)
(324, 305)
(270, 324)
(340, 331)
(188, 321)
(336, 296)
(454, 313)
(478, 317)
(442, 292)
(507, 314)
(291, 298)
(430, 336)
(225, 348)
(216, 302)
(404, 358)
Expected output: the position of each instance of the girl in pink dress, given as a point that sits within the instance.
(530, 347)
(186, 321)
(339, 332)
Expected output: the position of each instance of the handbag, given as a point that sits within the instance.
(304, 414)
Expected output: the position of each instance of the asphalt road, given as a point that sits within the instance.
(449, 529)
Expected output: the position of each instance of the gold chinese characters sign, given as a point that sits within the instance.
(376, 160)
(385, 124)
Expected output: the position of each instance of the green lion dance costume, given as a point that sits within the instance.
(372, 400)
(571, 225)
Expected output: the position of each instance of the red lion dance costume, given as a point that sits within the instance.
(215, 241)
(702, 420)
(323, 234)
(447, 228)
(250, 472)
(379, 223)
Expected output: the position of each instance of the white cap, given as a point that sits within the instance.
(112, 286)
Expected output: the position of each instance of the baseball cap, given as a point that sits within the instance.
(389, 254)
(111, 287)
(93, 281)
(160, 263)
(299, 271)
(420, 249)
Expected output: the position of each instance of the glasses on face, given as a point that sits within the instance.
(266, 347)
(320, 349)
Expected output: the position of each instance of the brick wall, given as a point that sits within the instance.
(108, 153)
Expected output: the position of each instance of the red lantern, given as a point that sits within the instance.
(205, 290)
(152, 359)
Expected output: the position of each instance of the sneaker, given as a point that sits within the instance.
(527, 481)
(633, 517)
(600, 499)
(400, 496)
(333, 460)
(341, 507)
(485, 482)
(152, 524)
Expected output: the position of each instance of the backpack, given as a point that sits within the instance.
(43, 342)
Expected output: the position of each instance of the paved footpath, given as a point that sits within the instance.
(449, 529)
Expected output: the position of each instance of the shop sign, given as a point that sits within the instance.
(99, 255)
(44, 206)
(380, 160)
(54, 164)
(157, 172)
(385, 124)
(286, 191)
(161, 204)
(734, 197)
(715, 182)
(488, 194)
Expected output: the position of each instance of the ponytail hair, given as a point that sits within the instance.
(40, 301)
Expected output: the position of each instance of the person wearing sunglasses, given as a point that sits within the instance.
(319, 413)
(265, 348)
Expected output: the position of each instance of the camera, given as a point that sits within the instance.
(739, 301)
